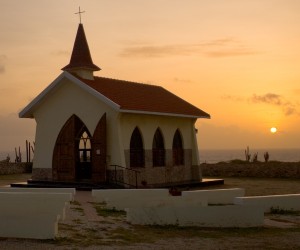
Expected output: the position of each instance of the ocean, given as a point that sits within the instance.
(214, 156)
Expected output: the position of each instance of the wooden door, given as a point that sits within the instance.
(99, 152)
(64, 154)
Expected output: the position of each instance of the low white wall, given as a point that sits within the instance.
(146, 201)
(210, 216)
(216, 196)
(132, 194)
(31, 215)
(71, 191)
(287, 201)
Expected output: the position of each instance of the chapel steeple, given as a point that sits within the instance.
(81, 62)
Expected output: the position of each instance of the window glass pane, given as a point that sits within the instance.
(137, 158)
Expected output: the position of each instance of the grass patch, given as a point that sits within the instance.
(218, 204)
(76, 206)
(15, 177)
(66, 227)
(12, 178)
(75, 203)
(151, 234)
(79, 209)
(238, 161)
(126, 236)
(84, 238)
(106, 212)
(77, 221)
(171, 231)
(277, 210)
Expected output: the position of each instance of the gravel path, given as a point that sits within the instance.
(83, 228)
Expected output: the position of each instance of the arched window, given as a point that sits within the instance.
(137, 158)
(178, 153)
(158, 149)
(85, 147)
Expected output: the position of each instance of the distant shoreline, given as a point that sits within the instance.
(272, 169)
(225, 155)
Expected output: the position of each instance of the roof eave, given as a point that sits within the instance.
(163, 114)
(72, 68)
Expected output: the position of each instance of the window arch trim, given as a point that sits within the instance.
(178, 149)
(158, 149)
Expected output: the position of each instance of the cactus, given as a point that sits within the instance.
(247, 154)
(18, 155)
(266, 156)
(254, 158)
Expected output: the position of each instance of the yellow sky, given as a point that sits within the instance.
(238, 60)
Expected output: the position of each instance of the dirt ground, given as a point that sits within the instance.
(84, 228)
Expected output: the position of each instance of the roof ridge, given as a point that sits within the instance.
(128, 81)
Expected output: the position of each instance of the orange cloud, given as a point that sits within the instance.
(268, 98)
(287, 107)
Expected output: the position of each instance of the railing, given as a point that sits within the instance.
(116, 180)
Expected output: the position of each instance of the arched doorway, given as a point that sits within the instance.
(77, 155)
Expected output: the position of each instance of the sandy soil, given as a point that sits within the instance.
(85, 229)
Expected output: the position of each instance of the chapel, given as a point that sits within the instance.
(99, 130)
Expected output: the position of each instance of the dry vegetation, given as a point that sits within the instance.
(111, 231)
(262, 186)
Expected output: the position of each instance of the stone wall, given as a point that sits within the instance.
(259, 169)
(163, 175)
(15, 168)
(42, 174)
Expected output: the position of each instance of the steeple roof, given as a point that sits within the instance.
(81, 56)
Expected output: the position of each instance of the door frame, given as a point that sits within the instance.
(66, 160)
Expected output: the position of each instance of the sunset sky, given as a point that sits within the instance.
(238, 60)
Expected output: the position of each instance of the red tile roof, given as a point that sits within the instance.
(133, 96)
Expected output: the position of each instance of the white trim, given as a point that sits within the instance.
(27, 111)
(161, 113)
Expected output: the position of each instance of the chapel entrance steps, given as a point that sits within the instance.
(115, 180)
(84, 186)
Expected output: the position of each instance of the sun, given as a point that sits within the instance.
(273, 130)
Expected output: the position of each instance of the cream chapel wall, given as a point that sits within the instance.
(147, 125)
(51, 115)
(167, 124)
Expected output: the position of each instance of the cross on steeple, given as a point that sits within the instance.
(79, 13)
